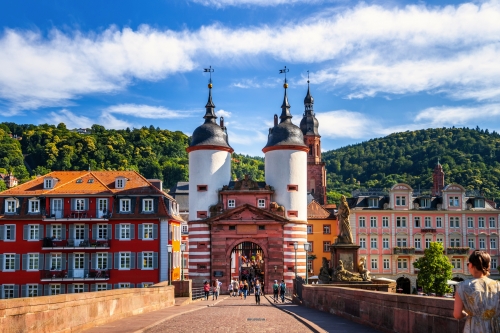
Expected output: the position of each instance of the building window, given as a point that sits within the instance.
(470, 242)
(417, 243)
(362, 222)
(400, 201)
(428, 243)
(292, 188)
(231, 203)
(102, 261)
(147, 231)
(55, 261)
(147, 205)
(482, 243)
(428, 223)
(453, 201)
(439, 222)
(261, 203)
(8, 291)
(373, 222)
(455, 242)
(124, 231)
(124, 260)
(123, 285)
(478, 203)
(33, 233)
(439, 240)
(401, 242)
(373, 202)
(32, 290)
(456, 263)
(309, 229)
(201, 214)
(125, 206)
(55, 289)
(326, 246)
(120, 183)
(56, 230)
(480, 222)
(79, 261)
(326, 228)
(492, 222)
(47, 183)
(401, 222)
(387, 264)
(385, 222)
(374, 264)
(425, 203)
(494, 263)
(373, 243)
(362, 242)
(385, 243)
(9, 232)
(202, 188)
(454, 222)
(102, 231)
(33, 261)
(402, 263)
(79, 232)
(232, 227)
(470, 222)
(79, 205)
(10, 206)
(101, 287)
(34, 206)
(9, 262)
(417, 222)
(493, 243)
(262, 227)
(78, 288)
(147, 260)
(184, 228)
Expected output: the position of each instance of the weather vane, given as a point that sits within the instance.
(285, 70)
(209, 70)
(308, 76)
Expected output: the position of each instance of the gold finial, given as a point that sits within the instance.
(285, 85)
(210, 85)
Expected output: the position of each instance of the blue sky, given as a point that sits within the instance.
(375, 67)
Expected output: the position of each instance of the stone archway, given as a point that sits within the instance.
(403, 285)
(247, 262)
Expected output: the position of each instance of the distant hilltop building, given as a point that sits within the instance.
(9, 180)
(16, 137)
(82, 130)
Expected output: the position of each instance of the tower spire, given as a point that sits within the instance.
(285, 107)
(308, 100)
(210, 107)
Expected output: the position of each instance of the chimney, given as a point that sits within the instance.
(156, 183)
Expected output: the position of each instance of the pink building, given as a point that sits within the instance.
(394, 228)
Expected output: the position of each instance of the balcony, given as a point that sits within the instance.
(428, 230)
(72, 244)
(75, 275)
(403, 250)
(76, 215)
(458, 250)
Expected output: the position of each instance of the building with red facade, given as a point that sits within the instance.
(77, 231)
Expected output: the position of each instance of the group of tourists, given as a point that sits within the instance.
(243, 289)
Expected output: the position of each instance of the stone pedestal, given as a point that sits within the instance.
(348, 253)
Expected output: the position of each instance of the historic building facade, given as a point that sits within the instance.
(77, 231)
(394, 228)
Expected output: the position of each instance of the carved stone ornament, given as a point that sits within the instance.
(343, 275)
(345, 234)
(324, 273)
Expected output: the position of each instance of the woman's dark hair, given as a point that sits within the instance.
(481, 261)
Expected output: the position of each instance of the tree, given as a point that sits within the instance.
(434, 270)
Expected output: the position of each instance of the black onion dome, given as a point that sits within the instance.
(308, 99)
(210, 133)
(285, 133)
(309, 124)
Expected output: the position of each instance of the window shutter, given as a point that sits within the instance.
(2, 232)
(132, 285)
(155, 260)
(86, 232)
(1, 262)
(63, 231)
(24, 290)
(25, 232)
(94, 231)
(140, 227)
(19, 204)
(117, 231)
(40, 261)
(1, 291)
(72, 233)
(133, 203)
(86, 261)
(25, 262)
(140, 263)
(40, 231)
(132, 231)
(86, 204)
(73, 204)
(132, 260)
(63, 289)
(14, 228)
(93, 287)
(71, 261)
(40, 286)
(156, 203)
(155, 231)
(46, 290)
(140, 285)
(117, 286)
(17, 262)
(86, 288)
(70, 288)
(94, 261)
(16, 290)
(63, 261)
(110, 260)
(110, 286)
(49, 231)
(117, 260)
(47, 261)
(110, 227)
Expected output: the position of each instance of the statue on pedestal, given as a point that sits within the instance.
(363, 271)
(343, 275)
(324, 272)
(345, 233)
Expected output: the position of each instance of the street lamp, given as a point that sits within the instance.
(296, 247)
(183, 248)
(307, 248)
(169, 249)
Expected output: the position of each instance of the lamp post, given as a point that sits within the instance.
(296, 247)
(183, 248)
(169, 249)
(307, 248)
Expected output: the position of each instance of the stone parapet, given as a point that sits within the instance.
(183, 288)
(386, 312)
(77, 312)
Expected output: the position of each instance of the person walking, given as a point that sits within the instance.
(245, 290)
(230, 289)
(236, 286)
(477, 299)
(257, 292)
(282, 290)
(276, 290)
(241, 289)
(215, 290)
(206, 289)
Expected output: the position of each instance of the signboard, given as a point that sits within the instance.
(218, 273)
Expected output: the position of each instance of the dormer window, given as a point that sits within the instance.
(147, 205)
(231, 203)
(125, 206)
(34, 206)
(10, 206)
(120, 182)
(425, 202)
(400, 201)
(373, 202)
(453, 201)
(478, 203)
(48, 183)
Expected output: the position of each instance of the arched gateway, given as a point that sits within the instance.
(248, 262)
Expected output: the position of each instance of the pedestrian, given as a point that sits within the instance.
(230, 289)
(282, 290)
(215, 290)
(206, 289)
(245, 290)
(477, 299)
(241, 289)
(257, 292)
(276, 290)
(236, 286)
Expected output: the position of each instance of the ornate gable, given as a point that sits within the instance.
(315, 211)
(246, 213)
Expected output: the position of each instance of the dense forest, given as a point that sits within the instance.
(470, 157)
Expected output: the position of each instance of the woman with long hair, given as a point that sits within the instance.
(206, 289)
(478, 299)
(257, 292)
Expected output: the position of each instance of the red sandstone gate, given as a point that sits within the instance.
(247, 263)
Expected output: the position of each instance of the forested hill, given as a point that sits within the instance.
(470, 157)
(153, 152)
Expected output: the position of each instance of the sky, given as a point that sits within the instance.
(375, 67)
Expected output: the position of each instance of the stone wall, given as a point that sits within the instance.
(76, 312)
(386, 312)
(183, 288)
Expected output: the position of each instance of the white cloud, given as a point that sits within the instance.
(346, 124)
(256, 83)
(70, 119)
(456, 116)
(223, 113)
(109, 121)
(146, 111)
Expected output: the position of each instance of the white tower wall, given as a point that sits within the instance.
(288, 167)
(211, 168)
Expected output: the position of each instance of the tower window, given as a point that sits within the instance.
(201, 214)
(231, 203)
(292, 188)
(293, 213)
(202, 188)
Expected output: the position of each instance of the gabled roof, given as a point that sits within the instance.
(254, 213)
(316, 211)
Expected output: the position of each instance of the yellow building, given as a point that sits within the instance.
(322, 231)
(175, 241)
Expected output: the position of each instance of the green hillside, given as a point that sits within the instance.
(470, 157)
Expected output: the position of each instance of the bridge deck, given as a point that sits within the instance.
(230, 314)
